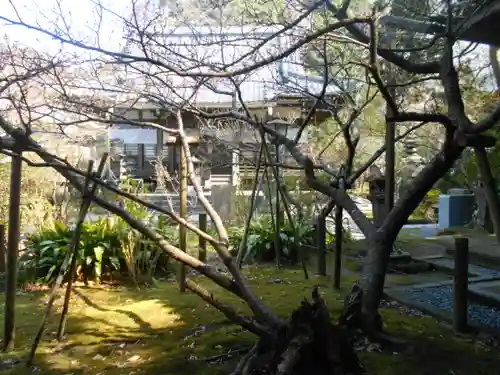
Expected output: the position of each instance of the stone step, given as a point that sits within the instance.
(448, 265)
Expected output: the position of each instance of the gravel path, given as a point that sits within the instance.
(441, 297)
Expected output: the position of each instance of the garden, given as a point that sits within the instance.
(128, 139)
(117, 329)
(125, 314)
(110, 251)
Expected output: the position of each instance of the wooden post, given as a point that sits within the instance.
(181, 272)
(277, 209)
(2, 248)
(202, 243)
(71, 254)
(12, 252)
(271, 210)
(390, 135)
(257, 182)
(84, 207)
(460, 284)
(339, 238)
(390, 160)
(321, 244)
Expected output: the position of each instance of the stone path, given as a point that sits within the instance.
(481, 246)
(423, 248)
(449, 264)
(435, 296)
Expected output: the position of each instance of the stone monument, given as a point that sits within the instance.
(376, 182)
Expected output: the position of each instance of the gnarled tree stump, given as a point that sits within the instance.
(309, 344)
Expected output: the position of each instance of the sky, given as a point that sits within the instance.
(80, 17)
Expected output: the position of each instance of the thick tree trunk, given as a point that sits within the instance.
(2, 248)
(489, 188)
(361, 307)
(373, 279)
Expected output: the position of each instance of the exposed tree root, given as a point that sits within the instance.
(309, 344)
(354, 319)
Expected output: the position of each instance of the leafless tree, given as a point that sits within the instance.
(164, 67)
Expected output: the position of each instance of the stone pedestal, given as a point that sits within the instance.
(377, 197)
(160, 189)
(127, 166)
(483, 212)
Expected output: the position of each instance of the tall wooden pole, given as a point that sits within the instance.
(390, 153)
(70, 254)
(339, 239)
(460, 284)
(390, 158)
(2, 248)
(277, 210)
(181, 272)
(257, 181)
(321, 245)
(87, 195)
(12, 251)
(202, 243)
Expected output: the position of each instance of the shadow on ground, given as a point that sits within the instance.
(154, 331)
(158, 331)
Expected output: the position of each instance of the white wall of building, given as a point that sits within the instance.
(139, 135)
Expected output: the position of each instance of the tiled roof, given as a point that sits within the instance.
(202, 49)
(473, 21)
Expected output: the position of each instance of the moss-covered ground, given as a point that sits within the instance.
(118, 330)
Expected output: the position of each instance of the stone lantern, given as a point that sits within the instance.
(376, 181)
(377, 197)
(197, 164)
(128, 166)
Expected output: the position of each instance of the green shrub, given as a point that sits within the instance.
(47, 248)
(261, 237)
(425, 209)
(106, 245)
